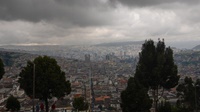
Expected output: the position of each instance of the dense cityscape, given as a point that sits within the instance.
(106, 68)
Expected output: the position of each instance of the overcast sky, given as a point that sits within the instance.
(69, 22)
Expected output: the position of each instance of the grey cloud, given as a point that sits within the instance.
(77, 12)
(85, 21)
(187, 14)
(144, 3)
(27, 32)
(190, 15)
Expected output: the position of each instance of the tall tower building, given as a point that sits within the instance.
(87, 57)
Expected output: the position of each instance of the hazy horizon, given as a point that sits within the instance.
(179, 45)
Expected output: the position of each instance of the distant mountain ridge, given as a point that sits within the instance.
(196, 47)
(113, 44)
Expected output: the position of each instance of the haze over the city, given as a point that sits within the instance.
(81, 22)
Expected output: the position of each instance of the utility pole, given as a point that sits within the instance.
(90, 89)
(196, 99)
(33, 87)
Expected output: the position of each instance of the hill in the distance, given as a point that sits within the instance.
(196, 47)
(113, 44)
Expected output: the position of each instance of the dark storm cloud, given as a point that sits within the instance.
(143, 3)
(77, 12)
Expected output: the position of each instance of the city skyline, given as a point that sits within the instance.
(78, 22)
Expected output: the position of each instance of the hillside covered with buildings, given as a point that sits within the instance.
(108, 67)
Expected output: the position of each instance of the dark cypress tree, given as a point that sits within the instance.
(135, 98)
(2, 71)
(146, 64)
(156, 68)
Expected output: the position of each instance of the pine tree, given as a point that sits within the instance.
(135, 98)
(156, 68)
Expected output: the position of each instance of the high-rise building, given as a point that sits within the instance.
(87, 57)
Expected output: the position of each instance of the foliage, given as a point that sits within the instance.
(180, 109)
(189, 94)
(79, 104)
(12, 104)
(165, 107)
(2, 71)
(49, 79)
(135, 98)
(156, 68)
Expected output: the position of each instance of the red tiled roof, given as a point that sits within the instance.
(102, 98)
(77, 95)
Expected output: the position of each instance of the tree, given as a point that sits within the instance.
(165, 107)
(50, 81)
(156, 68)
(189, 94)
(135, 98)
(79, 104)
(2, 71)
(12, 104)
